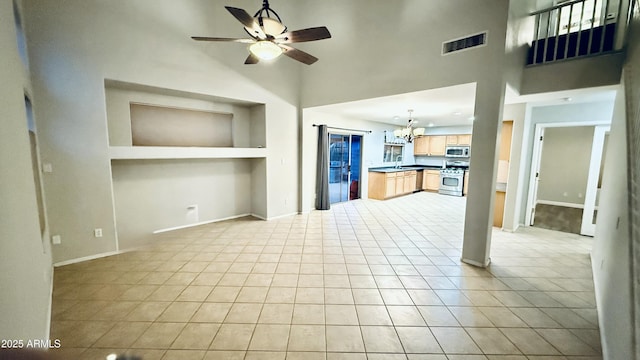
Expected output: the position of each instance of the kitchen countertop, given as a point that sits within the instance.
(388, 169)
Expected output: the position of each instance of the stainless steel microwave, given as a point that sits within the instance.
(457, 151)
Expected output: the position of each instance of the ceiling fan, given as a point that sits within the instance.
(269, 37)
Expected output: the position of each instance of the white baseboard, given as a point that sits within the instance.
(259, 217)
(49, 312)
(282, 216)
(110, 253)
(476, 263)
(201, 223)
(560, 203)
(87, 258)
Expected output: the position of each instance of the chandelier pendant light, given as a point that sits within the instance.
(409, 133)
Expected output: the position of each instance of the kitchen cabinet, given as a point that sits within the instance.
(399, 183)
(419, 179)
(503, 171)
(498, 208)
(421, 145)
(390, 187)
(437, 145)
(384, 185)
(465, 184)
(431, 180)
(410, 181)
(464, 139)
(459, 139)
(430, 145)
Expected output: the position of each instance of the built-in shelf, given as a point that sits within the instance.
(170, 152)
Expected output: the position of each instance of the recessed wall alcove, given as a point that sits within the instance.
(180, 159)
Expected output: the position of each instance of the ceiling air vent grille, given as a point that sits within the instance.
(464, 43)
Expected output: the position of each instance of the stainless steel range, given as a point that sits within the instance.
(452, 178)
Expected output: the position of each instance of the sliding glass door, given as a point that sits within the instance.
(344, 167)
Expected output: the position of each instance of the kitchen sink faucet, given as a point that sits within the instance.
(398, 160)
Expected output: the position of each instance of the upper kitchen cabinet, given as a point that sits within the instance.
(437, 145)
(430, 145)
(459, 139)
(421, 145)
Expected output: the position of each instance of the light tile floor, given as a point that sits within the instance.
(365, 280)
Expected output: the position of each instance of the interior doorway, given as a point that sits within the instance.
(565, 176)
(594, 182)
(345, 167)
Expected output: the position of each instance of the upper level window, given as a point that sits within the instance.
(581, 15)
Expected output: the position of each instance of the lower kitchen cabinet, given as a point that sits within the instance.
(431, 180)
(384, 185)
(399, 183)
(465, 184)
(409, 181)
(389, 187)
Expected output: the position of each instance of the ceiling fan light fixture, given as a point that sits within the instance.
(272, 26)
(265, 50)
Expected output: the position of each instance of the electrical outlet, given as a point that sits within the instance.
(97, 232)
(56, 239)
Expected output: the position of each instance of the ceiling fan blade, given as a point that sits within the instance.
(248, 21)
(299, 55)
(310, 34)
(251, 59)
(206, 38)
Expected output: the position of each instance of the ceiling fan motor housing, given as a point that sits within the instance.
(270, 25)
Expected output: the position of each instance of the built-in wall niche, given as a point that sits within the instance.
(200, 159)
(153, 125)
(150, 122)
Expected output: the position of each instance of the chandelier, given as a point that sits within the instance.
(409, 133)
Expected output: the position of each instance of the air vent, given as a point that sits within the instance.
(464, 43)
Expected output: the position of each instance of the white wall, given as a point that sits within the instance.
(387, 47)
(610, 254)
(152, 195)
(120, 96)
(581, 73)
(564, 164)
(595, 112)
(25, 260)
(615, 252)
(77, 44)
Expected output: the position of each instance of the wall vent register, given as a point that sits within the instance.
(464, 43)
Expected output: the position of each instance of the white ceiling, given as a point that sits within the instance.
(453, 105)
(450, 106)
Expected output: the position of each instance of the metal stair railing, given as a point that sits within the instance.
(578, 28)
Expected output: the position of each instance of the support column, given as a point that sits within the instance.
(478, 221)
